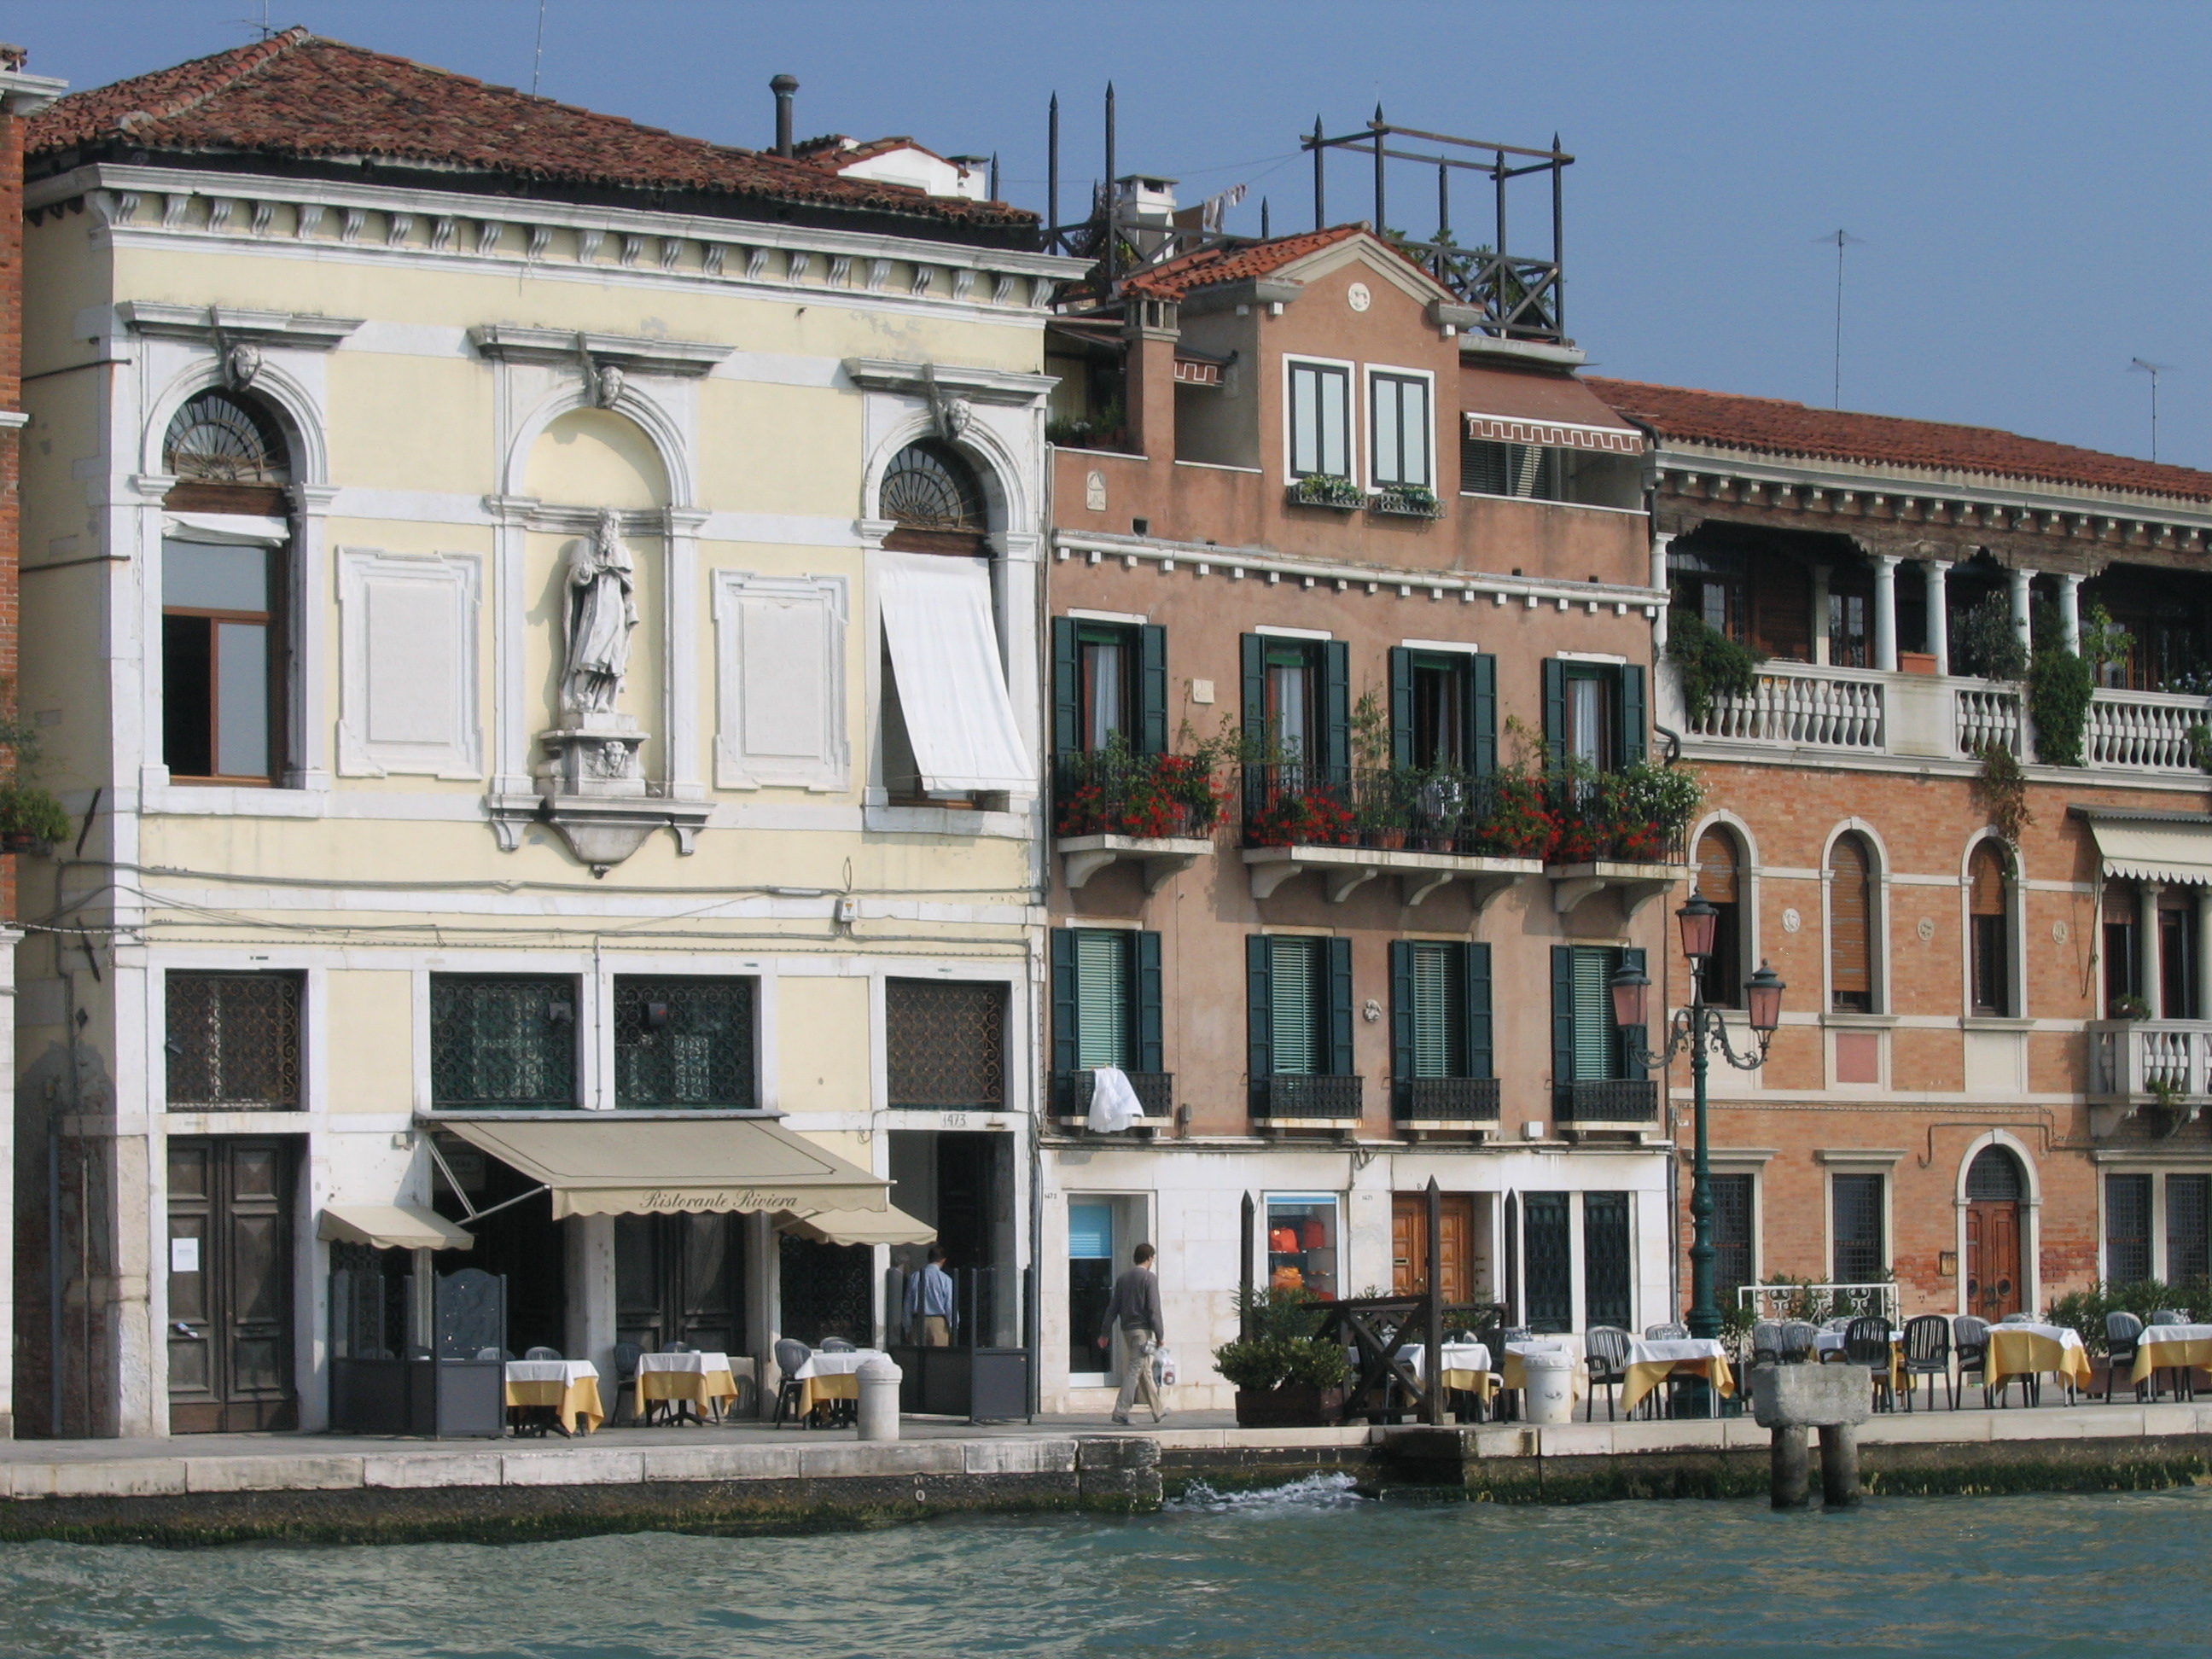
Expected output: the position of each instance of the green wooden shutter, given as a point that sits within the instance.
(1298, 1032)
(1480, 1058)
(1340, 1007)
(1439, 1045)
(1259, 1003)
(1631, 1037)
(1148, 1054)
(1104, 977)
(1336, 707)
(1401, 706)
(1255, 651)
(1151, 689)
(1066, 1029)
(1066, 687)
(1633, 712)
(1555, 713)
(1401, 1012)
(1597, 1047)
(1563, 1017)
(1482, 715)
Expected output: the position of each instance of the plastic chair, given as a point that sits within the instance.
(790, 1354)
(1928, 1353)
(626, 1354)
(1866, 1342)
(679, 1347)
(1766, 1343)
(1840, 1325)
(1605, 1348)
(2122, 1336)
(500, 1354)
(2021, 1318)
(837, 1344)
(1970, 1341)
(541, 1352)
(1797, 1336)
(1666, 1332)
(2170, 1317)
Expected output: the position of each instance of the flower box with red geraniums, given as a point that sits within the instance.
(1300, 820)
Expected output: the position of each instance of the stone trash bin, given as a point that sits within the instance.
(879, 1413)
(1833, 1399)
(1549, 1396)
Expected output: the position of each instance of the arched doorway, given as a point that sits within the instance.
(1996, 1285)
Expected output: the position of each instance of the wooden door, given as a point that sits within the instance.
(1409, 1244)
(1993, 1276)
(230, 1284)
(680, 1279)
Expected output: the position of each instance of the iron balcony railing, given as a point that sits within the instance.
(1561, 820)
(1072, 1091)
(1447, 1099)
(1289, 1096)
(1631, 1102)
(1113, 792)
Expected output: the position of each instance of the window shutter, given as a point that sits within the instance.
(1259, 1006)
(1151, 689)
(1482, 715)
(1850, 921)
(1340, 1007)
(1066, 1027)
(1631, 1037)
(1401, 706)
(1148, 1054)
(1716, 872)
(1336, 706)
(1066, 687)
(1555, 713)
(1255, 687)
(1562, 1013)
(1634, 713)
(1401, 1012)
(1104, 976)
(1478, 1056)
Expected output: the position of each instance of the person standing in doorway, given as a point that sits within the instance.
(1136, 1308)
(929, 1301)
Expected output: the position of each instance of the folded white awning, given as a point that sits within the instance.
(892, 1226)
(391, 1227)
(2150, 850)
(226, 529)
(951, 687)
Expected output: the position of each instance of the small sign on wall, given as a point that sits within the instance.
(184, 1256)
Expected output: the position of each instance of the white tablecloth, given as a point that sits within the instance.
(835, 1364)
(1644, 1352)
(2154, 1334)
(700, 1364)
(563, 1371)
(1458, 1356)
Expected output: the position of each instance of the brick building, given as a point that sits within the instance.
(1993, 1050)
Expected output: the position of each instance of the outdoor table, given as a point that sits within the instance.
(1466, 1366)
(2178, 1346)
(1651, 1363)
(1511, 1376)
(1827, 1342)
(682, 1380)
(569, 1387)
(2029, 1350)
(831, 1376)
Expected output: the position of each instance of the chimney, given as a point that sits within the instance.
(783, 86)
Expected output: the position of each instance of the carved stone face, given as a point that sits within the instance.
(242, 363)
(610, 386)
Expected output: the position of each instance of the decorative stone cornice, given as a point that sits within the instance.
(633, 354)
(203, 324)
(982, 386)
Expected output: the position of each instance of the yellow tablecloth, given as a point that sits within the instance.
(813, 1390)
(2024, 1350)
(570, 1400)
(1477, 1383)
(1640, 1379)
(715, 1388)
(2152, 1356)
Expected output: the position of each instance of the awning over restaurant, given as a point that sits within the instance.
(2176, 850)
(888, 1226)
(623, 1163)
(391, 1227)
(1512, 406)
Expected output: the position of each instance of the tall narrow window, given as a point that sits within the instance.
(2188, 1205)
(1848, 610)
(1550, 1262)
(2127, 1228)
(1594, 714)
(1106, 664)
(1720, 883)
(1103, 975)
(1608, 1278)
(1991, 947)
(1439, 994)
(1293, 716)
(1321, 419)
(2123, 961)
(2177, 957)
(1856, 1200)
(1850, 927)
(1297, 1027)
(1400, 404)
(1733, 1266)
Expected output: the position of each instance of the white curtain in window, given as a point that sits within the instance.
(952, 691)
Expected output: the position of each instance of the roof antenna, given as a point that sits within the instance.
(260, 23)
(1841, 238)
(538, 63)
(2144, 365)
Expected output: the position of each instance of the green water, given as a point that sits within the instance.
(1311, 1570)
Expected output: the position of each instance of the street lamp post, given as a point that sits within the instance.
(1700, 1031)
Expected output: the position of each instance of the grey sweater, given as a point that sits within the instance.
(1136, 1302)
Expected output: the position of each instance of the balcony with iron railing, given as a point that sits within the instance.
(1072, 1092)
(1114, 806)
(2160, 1068)
(1606, 1105)
(1307, 1102)
(1431, 1103)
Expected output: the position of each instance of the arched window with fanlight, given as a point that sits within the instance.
(935, 501)
(225, 566)
(1850, 926)
(1988, 922)
(1720, 883)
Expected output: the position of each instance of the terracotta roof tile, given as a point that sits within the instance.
(1236, 261)
(1773, 426)
(297, 95)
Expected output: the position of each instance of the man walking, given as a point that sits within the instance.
(929, 1301)
(1136, 1308)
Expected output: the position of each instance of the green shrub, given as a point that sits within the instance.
(1265, 1363)
(1711, 664)
(2084, 1310)
(1986, 642)
(2059, 684)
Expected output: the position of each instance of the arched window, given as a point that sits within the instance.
(1989, 920)
(1995, 1175)
(219, 438)
(1850, 927)
(1720, 883)
(933, 497)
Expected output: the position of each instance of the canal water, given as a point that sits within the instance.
(1311, 1570)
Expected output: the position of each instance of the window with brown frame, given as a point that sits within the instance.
(2123, 964)
(1989, 947)
(1850, 927)
(1720, 884)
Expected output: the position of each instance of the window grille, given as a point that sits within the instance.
(1606, 1274)
(1993, 1174)
(2186, 1213)
(945, 1043)
(683, 1041)
(928, 487)
(828, 1290)
(1732, 1263)
(503, 1043)
(233, 1041)
(216, 438)
(2127, 1228)
(1550, 1270)
(1857, 1203)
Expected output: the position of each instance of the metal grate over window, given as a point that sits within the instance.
(1731, 1236)
(683, 1041)
(1550, 1266)
(827, 1291)
(233, 1041)
(1607, 1292)
(2187, 1256)
(930, 487)
(1858, 1200)
(945, 1043)
(503, 1043)
(2127, 1229)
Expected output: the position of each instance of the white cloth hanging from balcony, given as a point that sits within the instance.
(952, 689)
(1113, 1103)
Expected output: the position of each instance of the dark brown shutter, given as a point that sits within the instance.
(1849, 925)
(1986, 895)
(1716, 875)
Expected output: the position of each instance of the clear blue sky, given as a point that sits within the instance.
(2028, 179)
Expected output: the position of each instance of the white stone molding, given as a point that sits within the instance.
(780, 703)
(201, 324)
(632, 354)
(407, 659)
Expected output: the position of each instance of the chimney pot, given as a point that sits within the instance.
(783, 86)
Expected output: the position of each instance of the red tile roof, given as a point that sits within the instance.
(298, 96)
(1236, 261)
(1773, 426)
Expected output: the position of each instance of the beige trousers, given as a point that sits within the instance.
(1137, 1372)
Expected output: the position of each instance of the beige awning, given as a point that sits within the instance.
(2152, 850)
(391, 1227)
(1527, 406)
(623, 1163)
(888, 1226)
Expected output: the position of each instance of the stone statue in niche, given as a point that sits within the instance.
(602, 609)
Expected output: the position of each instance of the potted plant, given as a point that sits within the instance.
(1327, 490)
(1409, 501)
(31, 818)
(1286, 1376)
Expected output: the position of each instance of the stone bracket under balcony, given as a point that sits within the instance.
(1639, 884)
(1084, 856)
(1345, 870)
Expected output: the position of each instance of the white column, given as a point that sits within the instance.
(1820, 614)
(589, 1328)
(9, 940)
(1885, 611)
(2146, 945)
(684, 695)
(2021, 579)
(1939, 613)
(1661, 541)
(2070, 610)
(2204, 1008)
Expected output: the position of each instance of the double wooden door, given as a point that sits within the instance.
(1994, 1288)
(680, 1279)
(230, 1284)
(1409, 1244)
